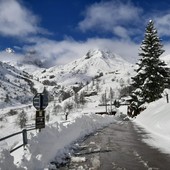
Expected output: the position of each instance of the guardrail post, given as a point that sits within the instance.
(167, 98)
(24, 134)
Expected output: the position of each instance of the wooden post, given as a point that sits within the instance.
(106, 101)
(167, 98)
(110, 100)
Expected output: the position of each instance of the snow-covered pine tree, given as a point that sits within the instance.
(151, 77)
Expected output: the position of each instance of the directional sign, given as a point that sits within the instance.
(40, 119)
(40, 101)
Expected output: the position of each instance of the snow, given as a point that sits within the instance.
(9, 50)
(78, 159)
(155, 120)
(6, 161)
(55, 141)
(85, 68)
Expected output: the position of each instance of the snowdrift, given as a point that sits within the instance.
(156, 120)
(55, 141)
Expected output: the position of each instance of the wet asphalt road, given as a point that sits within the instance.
(118, 146)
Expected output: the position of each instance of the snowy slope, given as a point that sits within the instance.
(97, 69)
(94, 63)
(26, 62)
(155, 120)
(166, 59)
(16, 87)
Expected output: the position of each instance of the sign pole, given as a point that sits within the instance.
(40, 102)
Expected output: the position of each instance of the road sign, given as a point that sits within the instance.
(40, 101)
(40, 119)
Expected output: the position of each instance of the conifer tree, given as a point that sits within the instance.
(151, 77)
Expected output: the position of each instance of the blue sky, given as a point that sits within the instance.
(63, 30)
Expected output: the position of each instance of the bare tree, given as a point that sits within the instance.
(57, 109)
(106, 101)
(111, 98)
(22, 119)
(102, 99)
(68, 106)
(76, 99)
(97, 85)
(87, 86)
(82, 98)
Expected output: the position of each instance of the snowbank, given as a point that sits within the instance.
(6, 161)
(56, 140)
(156, 120)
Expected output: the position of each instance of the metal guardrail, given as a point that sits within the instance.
(24, 135)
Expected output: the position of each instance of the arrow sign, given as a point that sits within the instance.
(40, 101)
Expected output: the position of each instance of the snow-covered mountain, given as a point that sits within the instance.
(98, 71)
(28, 61)
(16, 87)
(95, 63)
(9, 50)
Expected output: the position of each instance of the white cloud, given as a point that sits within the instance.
(163, 24)
(112, 16)
(166, 47)
(121, 32)
(57, 53)
(107, 15)
(16, 20)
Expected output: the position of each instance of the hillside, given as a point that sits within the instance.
(28, 61)
(94, 63)
(96, 71)
(16, 87)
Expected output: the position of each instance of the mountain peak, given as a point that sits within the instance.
(9, 50)
(97, 53)
(91, 53)
(84, 69)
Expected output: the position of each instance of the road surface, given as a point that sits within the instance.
(118, 147)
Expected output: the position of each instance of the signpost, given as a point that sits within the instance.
(40, 102)
(40, 119)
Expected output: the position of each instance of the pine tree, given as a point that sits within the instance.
(152, 73)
